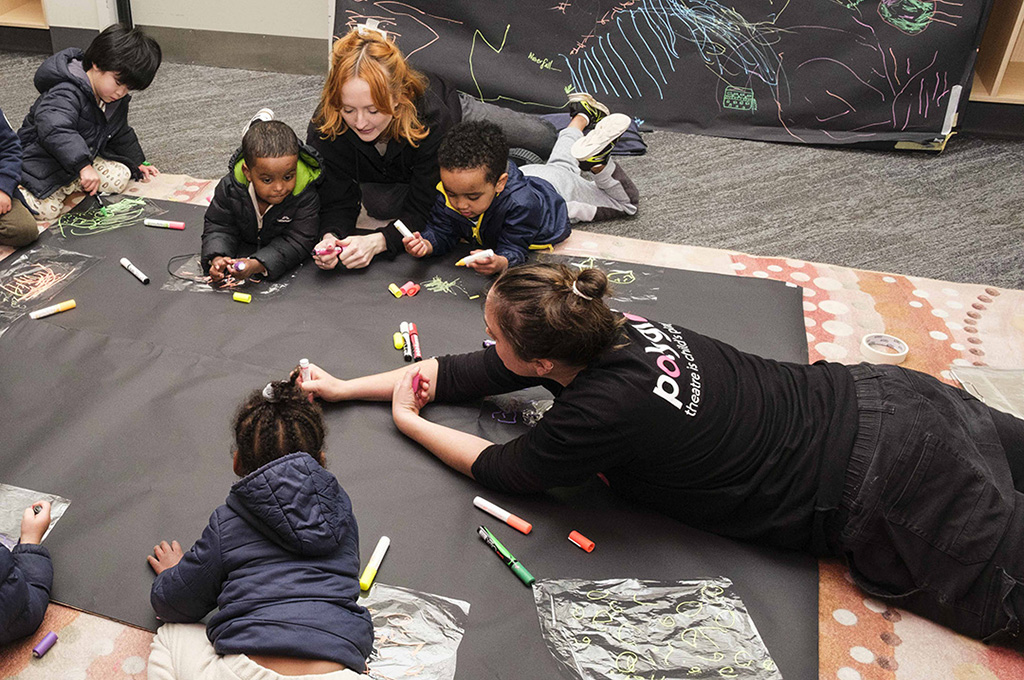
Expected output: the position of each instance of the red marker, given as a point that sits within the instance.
(414, 335)
(582, 541)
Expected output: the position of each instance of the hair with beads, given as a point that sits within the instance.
(544, 312)
(378, 61)
(276, 421)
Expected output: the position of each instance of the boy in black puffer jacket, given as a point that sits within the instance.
(76, 136)
(265, 214)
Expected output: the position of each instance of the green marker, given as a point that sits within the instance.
(518, 569)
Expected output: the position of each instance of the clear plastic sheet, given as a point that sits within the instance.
(14, 500)
(650, 630)
(187, 275)
(506, 416)
(416, 635)
(91, 217)
(35, 277)
(629, 282)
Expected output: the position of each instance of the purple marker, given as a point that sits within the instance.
(333, 250)
(488, 343)
(238, 265)
(44, 645)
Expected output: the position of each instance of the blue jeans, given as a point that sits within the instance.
(930, 517)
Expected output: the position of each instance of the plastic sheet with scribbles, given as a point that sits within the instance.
(13, 502)
(186, 274)
(416, 635)
(33, 278)
(99, 215)
(650, 630)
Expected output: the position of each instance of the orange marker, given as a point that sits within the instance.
(505, 516)
(582, 541)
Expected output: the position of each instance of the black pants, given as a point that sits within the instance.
(931, 519)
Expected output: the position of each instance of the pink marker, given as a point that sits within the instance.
(416, 383)
(333, 250)
(163, 224)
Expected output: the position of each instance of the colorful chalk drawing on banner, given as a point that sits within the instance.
(629, 282)
(113, 214)
(454, 286)
(416, 635)
(632, 628)
(187, 275)
(36, 276)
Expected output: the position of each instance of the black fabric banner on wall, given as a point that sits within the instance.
(801, 71)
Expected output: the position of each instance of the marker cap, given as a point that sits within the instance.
(523, 573)
(398, 340)
(410, 288)
(582, 541)
(519, 524)
(395, 290)
(44, 645)
(242, 297)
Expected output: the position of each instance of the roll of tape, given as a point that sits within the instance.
(879, 348)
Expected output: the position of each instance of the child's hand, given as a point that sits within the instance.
(326, 261)
(165, 556)
(417, 246)
(33, 525)
(251, 268)
(5, 203)
(148, 171)
(90, 179)
(487, 266)
(322, 384)
(218, 267)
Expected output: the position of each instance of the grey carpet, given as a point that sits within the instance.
(955, 216)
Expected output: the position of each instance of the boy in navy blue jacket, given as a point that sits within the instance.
(488, 201)
(17, 225)
(76, 136)
(265, 214)
(26, 576)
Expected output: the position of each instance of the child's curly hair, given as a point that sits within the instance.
(276, 421)
(394, 85)
(475, 144)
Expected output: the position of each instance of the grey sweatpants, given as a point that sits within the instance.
(602, 197)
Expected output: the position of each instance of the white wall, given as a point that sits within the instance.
(88, 14)
(298, 18)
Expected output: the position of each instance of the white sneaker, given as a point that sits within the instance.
(593, 148)
(263, 114)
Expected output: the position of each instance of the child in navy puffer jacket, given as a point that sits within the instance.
(26, 576)
(280, 560)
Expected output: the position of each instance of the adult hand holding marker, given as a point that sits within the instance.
(351, 252)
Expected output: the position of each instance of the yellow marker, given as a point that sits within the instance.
(398, 340)
(395, 290)
(53, 309)
(473, 297)
(366, 580)
(242, 297)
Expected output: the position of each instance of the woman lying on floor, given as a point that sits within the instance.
(916, 483)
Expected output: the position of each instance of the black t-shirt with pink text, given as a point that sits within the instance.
(720, 439)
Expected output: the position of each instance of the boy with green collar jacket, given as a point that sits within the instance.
(264, 216)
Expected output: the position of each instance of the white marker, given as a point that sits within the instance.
(136, 272)
(370, 573)
(304, 369)
(402, 229)
(469, 259)
(505, 516)
(53, 309)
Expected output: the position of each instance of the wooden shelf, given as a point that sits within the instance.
(999, 71)
(22, 14)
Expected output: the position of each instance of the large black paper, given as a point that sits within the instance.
(803, 71)
(123, 406)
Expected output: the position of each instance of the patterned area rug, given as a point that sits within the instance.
(859, 638)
